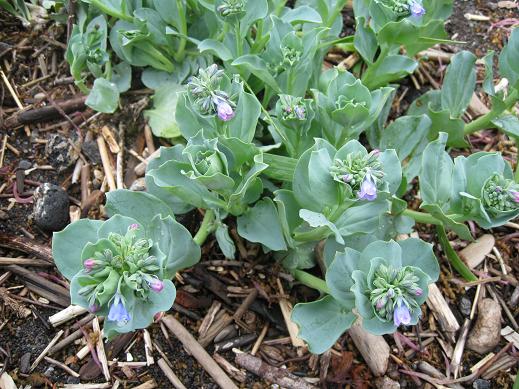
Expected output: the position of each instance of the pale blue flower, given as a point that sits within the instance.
(368, 189)
(416, 9)
(118, 312)
(223, 109)
(401, 314)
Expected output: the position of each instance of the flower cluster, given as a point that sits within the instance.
(230, 7)
(292, 108)
(407, 7)
(363, 173)
(208, 96)
(500, 194)
(125, 263)
(394, 295)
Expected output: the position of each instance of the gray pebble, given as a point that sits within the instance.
(60, 153)
(481, 384)
(73, 380)
(465, 306)
(25, 363)
(91, 151)
(51, 207)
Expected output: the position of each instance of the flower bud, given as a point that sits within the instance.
(89, 264)
(93, 308)
(156, 285)
(416, 8)
(401, 314)
(223, 109)
(368, 189)
(134, 226)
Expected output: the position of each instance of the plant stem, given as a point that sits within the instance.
(311, 281)
(183, 30)
(336, 12)
(453, 257)
(484, 121)
(421, 217)
(206, 228)
(237, 36)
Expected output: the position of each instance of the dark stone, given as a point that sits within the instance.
(465, 306)
(73, 380)
(481, 384)
(91, 151)
(25, 363)
(60, 152)
(51, 207)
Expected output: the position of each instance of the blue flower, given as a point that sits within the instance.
(118, 312)
(368, 189)
(416, 9)
(401, 314)
(224, 109)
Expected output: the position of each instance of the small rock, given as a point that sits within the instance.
(227, 333)
(73, 380)
(60, 153)
(465, 306)
(25, 363)
(487, 331)
(481, 384)
(91, 151)
(139, 185)
(386, 383)
(476, 252)
(49, 371)
(51, 207)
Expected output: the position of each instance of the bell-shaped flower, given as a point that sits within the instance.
(401, 315)
(368, 189)
(118, 312)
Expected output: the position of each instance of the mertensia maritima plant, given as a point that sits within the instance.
(296, 155)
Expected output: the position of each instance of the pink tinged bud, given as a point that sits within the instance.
(134, 226)
(376, 152)
(156, 285)
(224, 110)
(158, 316)
(380, 304)
(93, 308)
(368, 189)
(89, 264)
(401, 314)
(418, 291)
(515, 195)
(347, 178)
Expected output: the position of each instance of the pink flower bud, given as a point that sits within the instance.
(89, 264)
(158, 316)
(418, 291)
(156, 285)
(134, 226)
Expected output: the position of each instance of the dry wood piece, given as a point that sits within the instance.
(151, 384)
(24, 262)
(282, 377)
(110, 139)
(510, 335)
(105, 385)
(198, 352)
(233, 371)
(438, 305)
(26, 245)
(476, 252)
(148, 348)
(45, 351)
(140, 169)
(227, 319)
(44, 114)
(100, 348)
(374, 349)
(458, 350)
(148, 135)
(209, 317)
(172, 377)
(286, 310)
(65, 315)
(86, 322)
(67, 369)
(42, 286)
(6, 382)
(107, 164)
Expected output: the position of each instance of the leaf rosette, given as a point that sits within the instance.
(122, 268)
(384, 285)
(346, 106)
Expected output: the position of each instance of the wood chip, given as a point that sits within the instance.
(476, 252)
(478, 18)
(69, 313)
(509, 334)
(373, 348)
(6, 382)
(172, 377)
(110, 139)
(508, 4)
(100, 348)
(441, 310)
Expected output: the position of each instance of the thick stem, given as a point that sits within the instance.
(237, 36)
(484, 121)
(206, 228)
(311, 281)
(453, 257)
(183, 30)
(421, 217)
